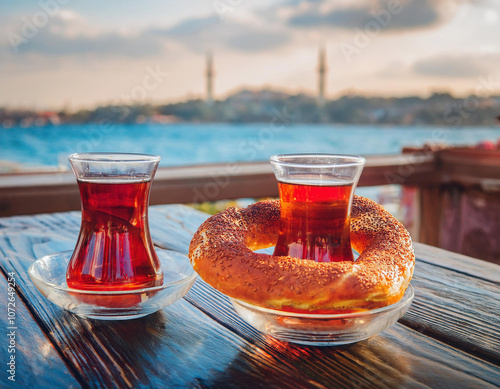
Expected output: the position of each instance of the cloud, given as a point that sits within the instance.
(201, 34)
(67, 34)
(108, 44)
(457, 65)
(410, 14)
(193, 26)
(257, 40)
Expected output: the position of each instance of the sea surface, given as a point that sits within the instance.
(188, 144)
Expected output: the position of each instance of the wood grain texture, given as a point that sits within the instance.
(457, 309)
(36, 358)
(458, 262)
(201, 341)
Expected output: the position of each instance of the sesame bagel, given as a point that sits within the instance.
(221, 253)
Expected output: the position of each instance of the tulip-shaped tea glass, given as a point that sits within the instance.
(114, 250)
(316, 192)
(114, 272)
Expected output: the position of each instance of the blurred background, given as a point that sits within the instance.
(157, 69)
(219, 81)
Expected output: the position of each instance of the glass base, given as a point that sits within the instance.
(320, 329)
(49, 276)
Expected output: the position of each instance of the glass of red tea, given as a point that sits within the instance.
(114, 250)
(316, 192)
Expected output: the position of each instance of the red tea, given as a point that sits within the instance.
(315, 222)
(114, 249)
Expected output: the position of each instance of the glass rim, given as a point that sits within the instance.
(406, 299)
(110, 157)
(293, 160)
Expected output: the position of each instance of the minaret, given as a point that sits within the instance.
(322, 69)
(210, 79)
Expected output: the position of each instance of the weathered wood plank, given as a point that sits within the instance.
(458, 262)
(36, 359)
(458, 310)
(469, 165)
(201, 342)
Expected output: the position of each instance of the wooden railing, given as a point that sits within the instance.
(441, 182)
(31, 193)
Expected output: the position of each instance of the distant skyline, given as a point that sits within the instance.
(77, 54)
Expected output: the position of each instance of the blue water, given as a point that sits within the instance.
(185, 144)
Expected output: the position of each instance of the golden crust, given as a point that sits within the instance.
(221, 253)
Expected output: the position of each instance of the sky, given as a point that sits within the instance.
(78, 54)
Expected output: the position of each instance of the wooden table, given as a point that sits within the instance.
(450, 337)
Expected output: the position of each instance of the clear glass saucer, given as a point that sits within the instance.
(49, 276)
(323, 329)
